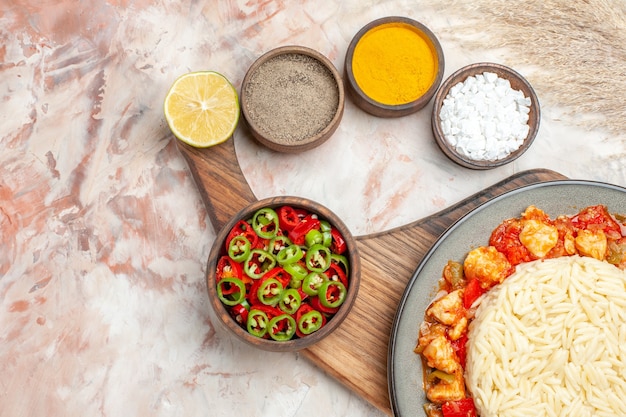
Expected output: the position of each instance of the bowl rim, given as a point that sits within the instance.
(394, 110)
(518, 82)
(312, 141)
(354, 275)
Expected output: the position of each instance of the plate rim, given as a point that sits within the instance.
(393, 400)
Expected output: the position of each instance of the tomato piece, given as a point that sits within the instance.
(460, 408)
(472, 292)
(460, 348)
(505, 238)
(597, 217)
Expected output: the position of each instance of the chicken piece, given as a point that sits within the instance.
(428, 332)
(534, 213)
(455, 332)
(443, 391)
(440, 354)
(449, 310)
(569, 243)
(592, 243)
(538, 237)
(487, 265)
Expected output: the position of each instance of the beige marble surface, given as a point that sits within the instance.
(104, 238)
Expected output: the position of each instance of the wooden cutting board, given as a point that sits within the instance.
(356, 353)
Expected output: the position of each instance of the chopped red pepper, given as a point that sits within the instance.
(262, 243)
(298, 233)
(269, 310)
(460, 408)
(336, 273)
(240, 313)
(338, 245)
(280, 274)
(242, 227)
(287, 218)
(228, 268)
(317, 305)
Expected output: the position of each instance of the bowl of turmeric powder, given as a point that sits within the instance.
(393, 66)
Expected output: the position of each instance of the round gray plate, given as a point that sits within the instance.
(555, 197)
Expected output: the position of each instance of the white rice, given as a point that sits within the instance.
(551, 341)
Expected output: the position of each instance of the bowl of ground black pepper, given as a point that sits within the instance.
(292, 99)
(393, 66)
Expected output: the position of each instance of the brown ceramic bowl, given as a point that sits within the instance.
(292, 98)
(354, 276)
(421, 37)
(517, 83)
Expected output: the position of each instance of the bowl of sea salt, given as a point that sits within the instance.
(485, 115)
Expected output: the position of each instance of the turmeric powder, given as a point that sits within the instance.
(394, 64)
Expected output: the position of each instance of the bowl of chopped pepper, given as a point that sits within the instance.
(283, 273)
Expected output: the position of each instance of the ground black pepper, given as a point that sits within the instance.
(291, 97)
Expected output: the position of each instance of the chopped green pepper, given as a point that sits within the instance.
(312, 282)
(257, 323)
(258, 263)
(239, 248)
(340, 260)
(318, 258)
(327, 237)
(278, 243)
(269, 291)
(310, 322)
(313, 237)
(265, 223)
(289, 255)
(296, 270)
(231, 291)
(332, 293)
(282, 327)
(290, 301)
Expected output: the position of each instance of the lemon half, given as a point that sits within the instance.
(202, 108)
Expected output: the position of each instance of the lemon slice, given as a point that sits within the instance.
(202, 108)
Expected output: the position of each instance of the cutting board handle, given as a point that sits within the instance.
(219, 178)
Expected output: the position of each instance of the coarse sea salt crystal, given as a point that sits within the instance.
(484, 118)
